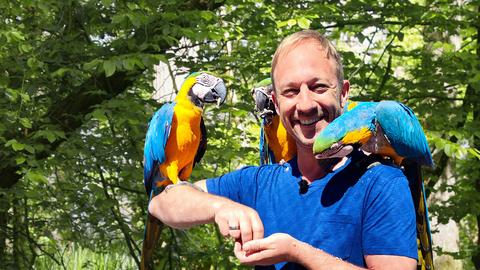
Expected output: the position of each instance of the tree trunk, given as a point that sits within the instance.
(446, 236)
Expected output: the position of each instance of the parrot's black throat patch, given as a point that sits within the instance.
(329, 153)
(194, 99)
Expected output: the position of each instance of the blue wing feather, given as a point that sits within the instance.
(404, 132)
(156, 141)
(361, 116)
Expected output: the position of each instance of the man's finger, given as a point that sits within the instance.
(254, 245)
(237, 249)
(234, 228)
(262, 257)
(257, 228)
(223, 227)
(246, 230)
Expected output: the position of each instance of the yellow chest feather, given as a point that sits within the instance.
(282, 145)
(183, 142)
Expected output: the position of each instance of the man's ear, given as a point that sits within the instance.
(275, 101)
(344, 93)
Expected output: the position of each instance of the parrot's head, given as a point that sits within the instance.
(205, 88)
(262, 94)
(350, 130)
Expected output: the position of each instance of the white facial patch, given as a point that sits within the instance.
(204, 83)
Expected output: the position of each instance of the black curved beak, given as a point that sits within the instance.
(217, 94)
(263, 102)
(261, 99)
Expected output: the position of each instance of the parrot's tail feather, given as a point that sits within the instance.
(153, 226)
(424, 238)
(153, 229)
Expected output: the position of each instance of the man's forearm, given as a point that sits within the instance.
(183, 207)
(314, 258)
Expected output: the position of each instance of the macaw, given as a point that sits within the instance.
(389, 129)
(175, 141)
(275, 143)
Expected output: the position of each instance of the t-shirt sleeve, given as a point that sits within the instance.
(389, 217)
(238, 185)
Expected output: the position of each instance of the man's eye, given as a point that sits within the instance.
(290, 92)
(320, 87)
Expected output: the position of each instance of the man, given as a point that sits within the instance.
(347, 217)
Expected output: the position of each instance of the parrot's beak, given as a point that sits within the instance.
(261, 99)
(217, 94)
(263, 102)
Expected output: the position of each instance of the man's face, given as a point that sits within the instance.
(306, 96)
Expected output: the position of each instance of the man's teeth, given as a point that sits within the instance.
(309, 121)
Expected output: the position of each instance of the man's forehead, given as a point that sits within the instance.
(304, 67)
(303, 45)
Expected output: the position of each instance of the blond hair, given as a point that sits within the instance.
(304, 35)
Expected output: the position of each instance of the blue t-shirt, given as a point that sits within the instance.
(349, 213)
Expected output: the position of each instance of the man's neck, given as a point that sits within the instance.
(311, 168)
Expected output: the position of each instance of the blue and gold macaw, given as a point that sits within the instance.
(275, 143)
(175, 141)
(389, 129)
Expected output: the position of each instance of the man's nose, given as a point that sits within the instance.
(305, 102)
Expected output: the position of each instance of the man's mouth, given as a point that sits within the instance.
(311, 121)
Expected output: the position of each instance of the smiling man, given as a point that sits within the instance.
(305, 214)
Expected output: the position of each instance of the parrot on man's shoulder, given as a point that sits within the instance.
(276, 145)
(175, 141)
(386, 129)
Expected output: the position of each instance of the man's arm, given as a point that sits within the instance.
(282, 247)
(183, 206)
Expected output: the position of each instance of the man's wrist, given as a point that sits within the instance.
(313, 258)
(295, 251)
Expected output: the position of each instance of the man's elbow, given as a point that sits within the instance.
(159, 210)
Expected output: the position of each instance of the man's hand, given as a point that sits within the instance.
(279, 247)
(238, 221)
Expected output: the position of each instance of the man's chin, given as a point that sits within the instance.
(306, 142)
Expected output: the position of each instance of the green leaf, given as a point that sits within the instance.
(20, 160)
(291, 22)
(10, 142)
(50, 136)
(439, 143)
(448, 149)
(303, 23)
(30, 149)
(109, 67)
(16, 146)
(31, 62)
(106, 3)
(91, 65)
(36, 177)
(128, 64)
(26, 122)
(207, 15)
(16, 35)
(99, 114)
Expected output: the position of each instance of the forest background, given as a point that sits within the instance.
(76, 87)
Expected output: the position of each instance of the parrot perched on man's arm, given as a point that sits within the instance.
(275, 143)
(175, 141)
(388, 129)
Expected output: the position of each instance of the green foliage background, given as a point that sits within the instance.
(75, 89)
